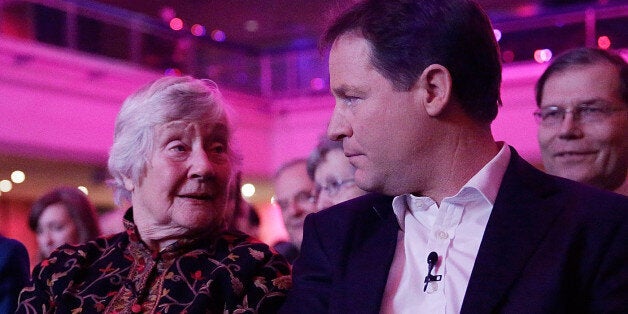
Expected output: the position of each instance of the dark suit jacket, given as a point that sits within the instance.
(14, 272)
(551, 246)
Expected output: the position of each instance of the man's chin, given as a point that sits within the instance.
(578, 175)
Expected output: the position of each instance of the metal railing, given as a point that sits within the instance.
(108, 31)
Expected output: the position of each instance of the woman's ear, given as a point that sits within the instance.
(128, 183)
(435, 81)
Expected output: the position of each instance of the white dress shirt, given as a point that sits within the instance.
(454, 231)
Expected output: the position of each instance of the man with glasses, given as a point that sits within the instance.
(293, 193)
(583, 118)
(333, 174)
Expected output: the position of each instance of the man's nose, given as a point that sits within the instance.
(296, 210)
(338, 127)
(570, 127)
(323, 202)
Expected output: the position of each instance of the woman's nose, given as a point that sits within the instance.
(45, 238)
(201, 165)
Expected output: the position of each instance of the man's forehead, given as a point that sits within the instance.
(293, 178)
(295, 170)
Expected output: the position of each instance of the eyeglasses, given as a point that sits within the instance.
(303, 198)
(332, 188)
(584, 113)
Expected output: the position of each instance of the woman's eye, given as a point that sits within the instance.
(58, 227)
(177, 147)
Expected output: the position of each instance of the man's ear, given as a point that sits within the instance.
(128, 183)
(435, 81)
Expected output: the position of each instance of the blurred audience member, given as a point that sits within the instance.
(332, 173)
(293, 193)
(64, 215)
(583, 118)
(244, 217)
(111, 221)
(14, 267)
(172, 159)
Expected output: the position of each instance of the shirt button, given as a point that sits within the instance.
(431, 287)
(442, 234)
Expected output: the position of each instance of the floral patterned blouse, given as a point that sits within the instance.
(230, 273)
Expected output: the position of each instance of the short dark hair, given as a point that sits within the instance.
(79, 208)
(584, 56)
(317, 156)
(406, 36)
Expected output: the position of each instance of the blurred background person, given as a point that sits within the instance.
(293, 194)
(14, 268)
(172, 159)
(583, 118)
(110, 222)
(63, 215)
(332, 173)
(244, 216)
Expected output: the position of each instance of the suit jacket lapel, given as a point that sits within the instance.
(519, 220)
(367, 266)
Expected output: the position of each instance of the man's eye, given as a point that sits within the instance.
(551, 113)
(218, 148)
(333, 185)
(350, 100)
(591, 110)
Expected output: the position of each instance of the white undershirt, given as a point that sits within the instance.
(454, 231)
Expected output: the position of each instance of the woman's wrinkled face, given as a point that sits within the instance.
(55, 228)
(185, 186)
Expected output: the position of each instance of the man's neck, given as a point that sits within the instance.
(469, 153)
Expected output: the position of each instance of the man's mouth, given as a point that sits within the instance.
(574, 153)
(200, 197)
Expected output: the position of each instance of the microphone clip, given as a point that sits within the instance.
(432, 258)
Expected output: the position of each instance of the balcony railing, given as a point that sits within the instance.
(111, 32)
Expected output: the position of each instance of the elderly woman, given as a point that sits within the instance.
(172, 158)
(332, 173)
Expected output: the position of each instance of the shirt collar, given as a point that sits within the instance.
(486, 182)
(489, 178)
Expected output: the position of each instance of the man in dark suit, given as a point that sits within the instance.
(461, 223)
(14, 272)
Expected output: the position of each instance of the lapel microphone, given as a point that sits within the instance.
(432, 258)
